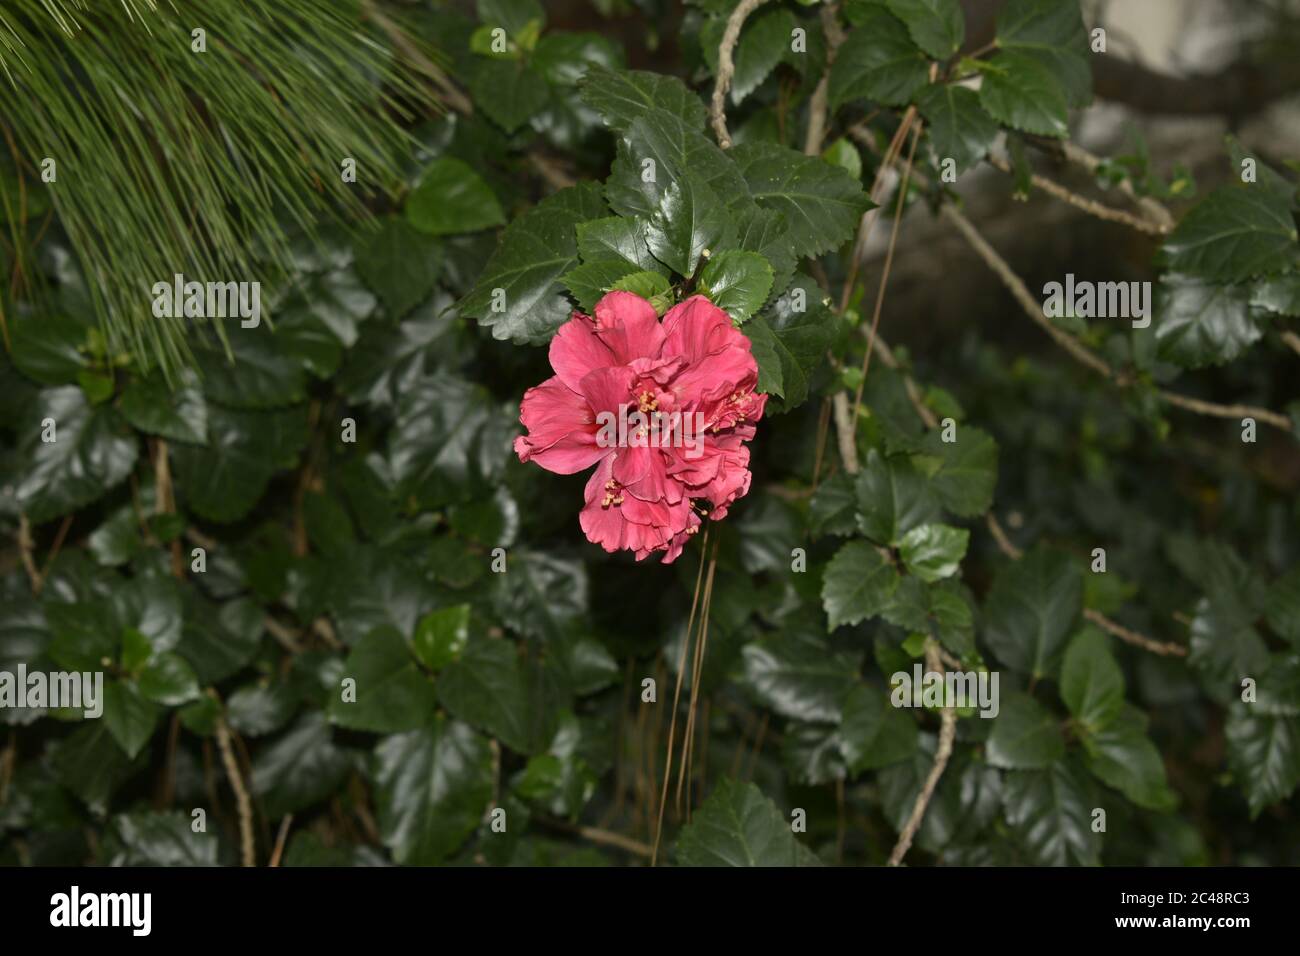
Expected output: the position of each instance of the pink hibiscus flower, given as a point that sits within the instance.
(662, 409)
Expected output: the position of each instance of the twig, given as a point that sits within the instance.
(280, 839)
(323, 629)
(909, 384)
(817, 105)
(287, 639)
(244, 805)
(1081, 353)
(1091, 206)
(26, 547)
(7, 766)
(697, 669)
(1021, 292)
(1165, 649)
(677, 693)
(868, 220)
(947, 733)
(889, 264)
(845, 431)
(727, 69)
(601, 837)
(454, 97)
(550, 171)
(59, 538)
(1276, 419)
(1000, 536)
(1157, 213)
(1292, 340)
(1168, 649)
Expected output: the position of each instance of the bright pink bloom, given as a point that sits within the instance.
(662, 409)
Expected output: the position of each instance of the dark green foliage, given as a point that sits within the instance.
(313, 543)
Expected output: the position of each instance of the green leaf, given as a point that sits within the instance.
(169, 680)
(511, 15)
(690, 219)
(937, 26)
(49, 348)
(941, 610)
(1020, 92)
(737, 282)
(1053, 34)
(857, 585)
(117, 540)
(536, 249)
(377, 588)
(541, 595)
(450, 198)
(821, 203)
(958, 126)
(1224, 648)
(1122, 756)
(259, 709)
(400, 263)
(765, 231)
(508, 91)
(486, 689)
(660, 149)
(1235, 233)
(873, 732)
(764, 42)
(224, 480)
(392, 693)
(1092, 685)
(1280, 294)
(833, 506)
(301, 768)
(565, 58)
(844, 154)
(149, 405)
(200, 716)
(91, 451)
(769, 531)
(90, 764)
(130, 718)
(738, 826)
(934, 551)
(1263, 754)
(432, 788)
(97, 386)
(1199, 324)
(589, 282)
(790, 340)
(322, 317)
(623, 96)
(449, 437)
(811, 755)
(1050, 812)
(160, 839)
(1282, 605)
(1032, 608)
(259, 371)
(968, 473)
(1025, 736)
(647, 285)
(618, 239)
(388, 360)
(798, 676)
(878, 61)
(893, 497)
(219, 641)
(441, 636)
